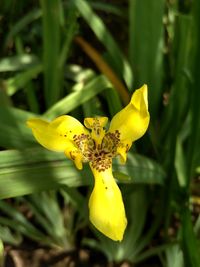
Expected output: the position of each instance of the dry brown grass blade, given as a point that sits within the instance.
(104, 68)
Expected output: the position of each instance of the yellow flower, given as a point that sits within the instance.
(97, 146)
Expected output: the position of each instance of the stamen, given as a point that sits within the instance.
(99, 147)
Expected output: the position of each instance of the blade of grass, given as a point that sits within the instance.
(38, 173)
(51, 19)
(17, 63)
(20, 80)
(113, 100)
(146, 47)
(22, 23)
(1, 253)
(9, 237)
(13, 131)
(136, 219)
(45, 208)
(174, 256)
(151, 232)
(76, 199)
(176, 111)
(20, 224)
(104, 68)
(154, 251)
(71, 29)
(32, 98)
(139, 169)
(194, 142)
(182, 65)
(97, 25)
(17, 216)
(180, 163)
(109, 8)
(36, 169)
(189, 241)
(5, 100)
(93, 106)
(73, 100)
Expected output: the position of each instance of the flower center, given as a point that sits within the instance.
(98, 147)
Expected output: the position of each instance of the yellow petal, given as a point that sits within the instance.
(133, 120)
(75, 155)
(106, 206)
(58, 135)
(122, 150)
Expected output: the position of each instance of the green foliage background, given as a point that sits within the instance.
(45, 72)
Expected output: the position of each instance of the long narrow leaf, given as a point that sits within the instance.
(22, 23)
(51, 50)
(36, 169)
(190, 243)
(104, 68)
(194, 142)
(21, 79)
(13, 131)
(146, 46)
(17, 63)
(73, 100)
(103, 34)
(1, 253)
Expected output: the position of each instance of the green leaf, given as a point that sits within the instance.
(13, 130)
(51, 18)
(191, 246)
(17, 63)
(5, 100)
(174, 256)
(8, 237)
(21, 79)
(139, 169)
(71, 29)
(113, 100)
(18, 222)
(109, 8)
(22, 23)
(146, 46)
(103, 34)
(180, 164)
(1, 253)
(39, 204)
(194, 141)
(180, 94)
(73, 100)
(77, 199)
(36, 169)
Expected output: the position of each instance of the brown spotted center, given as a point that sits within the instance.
(99, 154)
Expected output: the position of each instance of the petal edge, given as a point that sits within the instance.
(106, 207)
(133, 120)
